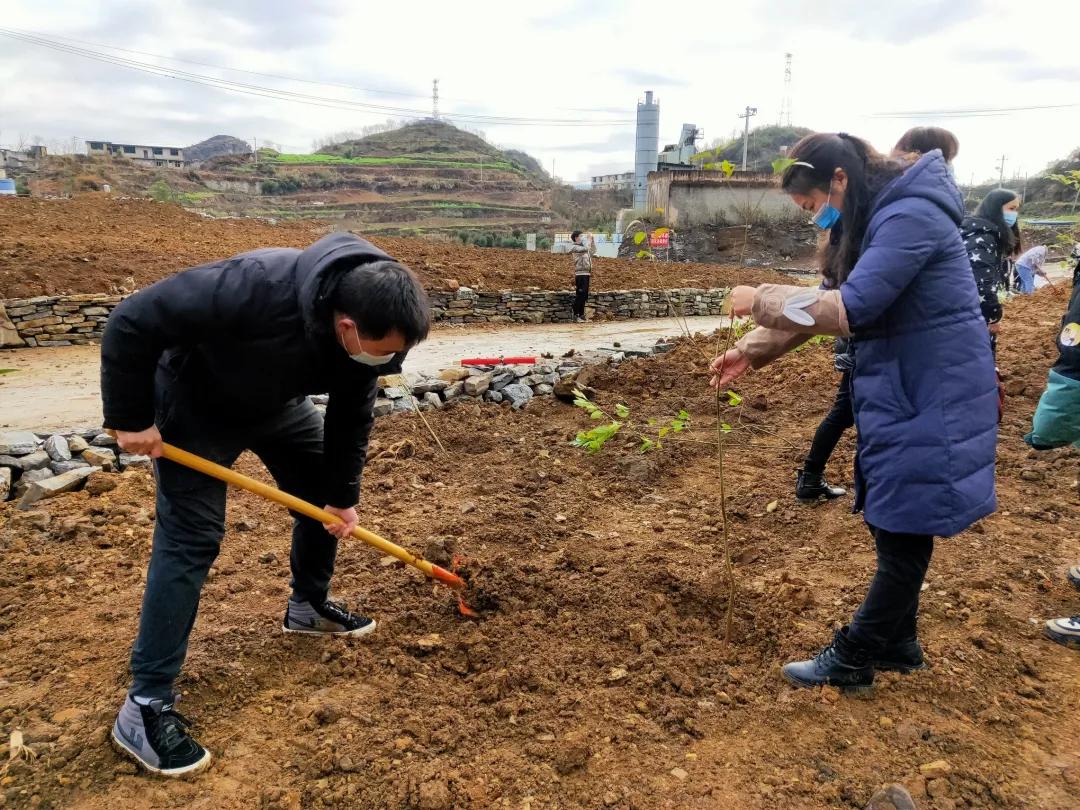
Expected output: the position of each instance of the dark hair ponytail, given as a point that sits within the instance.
(920, 140)
(817, 157)
(990, 208)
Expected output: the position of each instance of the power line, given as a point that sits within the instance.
(971, 112)
(286, 95)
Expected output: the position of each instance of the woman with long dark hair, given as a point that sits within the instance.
(899, 285)
(991, 237)
(811, 484)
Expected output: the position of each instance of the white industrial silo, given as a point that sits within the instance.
(646, 149)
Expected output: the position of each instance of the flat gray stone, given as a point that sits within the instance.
(433, 399)
(518, 394)
(104, 440)
(35, 461)
(57, 448)
(17, 442)
(424, 387)
(500, 381)
(51, 487)
(543, 388)
(454, 390)
(404, 404)
(494, 396)
(76, 444)
(61, 467)
(383, 406)
(133, 460)
(104, 457)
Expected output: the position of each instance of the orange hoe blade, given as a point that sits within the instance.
(200, 464)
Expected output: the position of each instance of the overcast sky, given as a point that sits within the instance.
(564, 59)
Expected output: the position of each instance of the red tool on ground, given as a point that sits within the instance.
(498, 361)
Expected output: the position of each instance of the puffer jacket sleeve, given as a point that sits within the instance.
(984, 253)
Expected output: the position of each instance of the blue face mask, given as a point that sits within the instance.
(1010, 217)
(826, 216)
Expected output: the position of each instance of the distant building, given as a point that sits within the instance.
(28, 158)
(614, 182)
(172, 156)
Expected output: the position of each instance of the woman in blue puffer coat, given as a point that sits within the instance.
(923, 386)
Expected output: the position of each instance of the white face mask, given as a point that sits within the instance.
(364, 357)
(372, 359)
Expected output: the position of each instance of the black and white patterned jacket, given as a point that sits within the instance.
(983, 243)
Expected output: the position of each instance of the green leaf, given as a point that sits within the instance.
(639, 237)
(733, 399)
(646, 445)
(781, 165)
(622, 411)
(724, 426)
(664, 431)
(684, 416)
(728, 168)
(651, 422)
(643, 254)
(596, 414)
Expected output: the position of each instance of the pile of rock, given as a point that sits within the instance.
(36, 466)
(511, 385)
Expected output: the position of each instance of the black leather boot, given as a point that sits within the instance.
(841, 664)
(901, 656)
(812, 487)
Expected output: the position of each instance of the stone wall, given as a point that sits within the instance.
(54, 320)
(76, 319)
(546, 306)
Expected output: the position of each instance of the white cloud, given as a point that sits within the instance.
(574, 60)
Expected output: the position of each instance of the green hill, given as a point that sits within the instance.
(766, 145)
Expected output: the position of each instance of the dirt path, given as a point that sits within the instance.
(59, 388)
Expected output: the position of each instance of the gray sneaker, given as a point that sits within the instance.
(156, 737)
(327, 619)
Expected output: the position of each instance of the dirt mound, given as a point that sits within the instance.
(601, 677)
(93, 243)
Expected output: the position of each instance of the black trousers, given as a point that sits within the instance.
(890, 611)
(832, 427)
(191, 522)
(581, 294)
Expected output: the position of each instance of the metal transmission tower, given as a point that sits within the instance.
(750, 111)
(785, 103)
(435, 99)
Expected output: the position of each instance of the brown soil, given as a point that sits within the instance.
(601, 678)
(94, 243)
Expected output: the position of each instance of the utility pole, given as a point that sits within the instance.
(435, 99)
(256, 152)
(1001, 173)
(750, 111)
(784, 118)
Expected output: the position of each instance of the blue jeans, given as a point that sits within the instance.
(1026, 279)
(191, 522)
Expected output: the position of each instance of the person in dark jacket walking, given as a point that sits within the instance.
(991, 237)
(923, 385)
(582, 252)
(1057, 423)
(811, 485)
(220, 359)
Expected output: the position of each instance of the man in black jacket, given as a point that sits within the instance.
(220, 359)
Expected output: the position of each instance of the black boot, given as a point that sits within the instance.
(841, 664)
(901, 656)
(812, 487)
